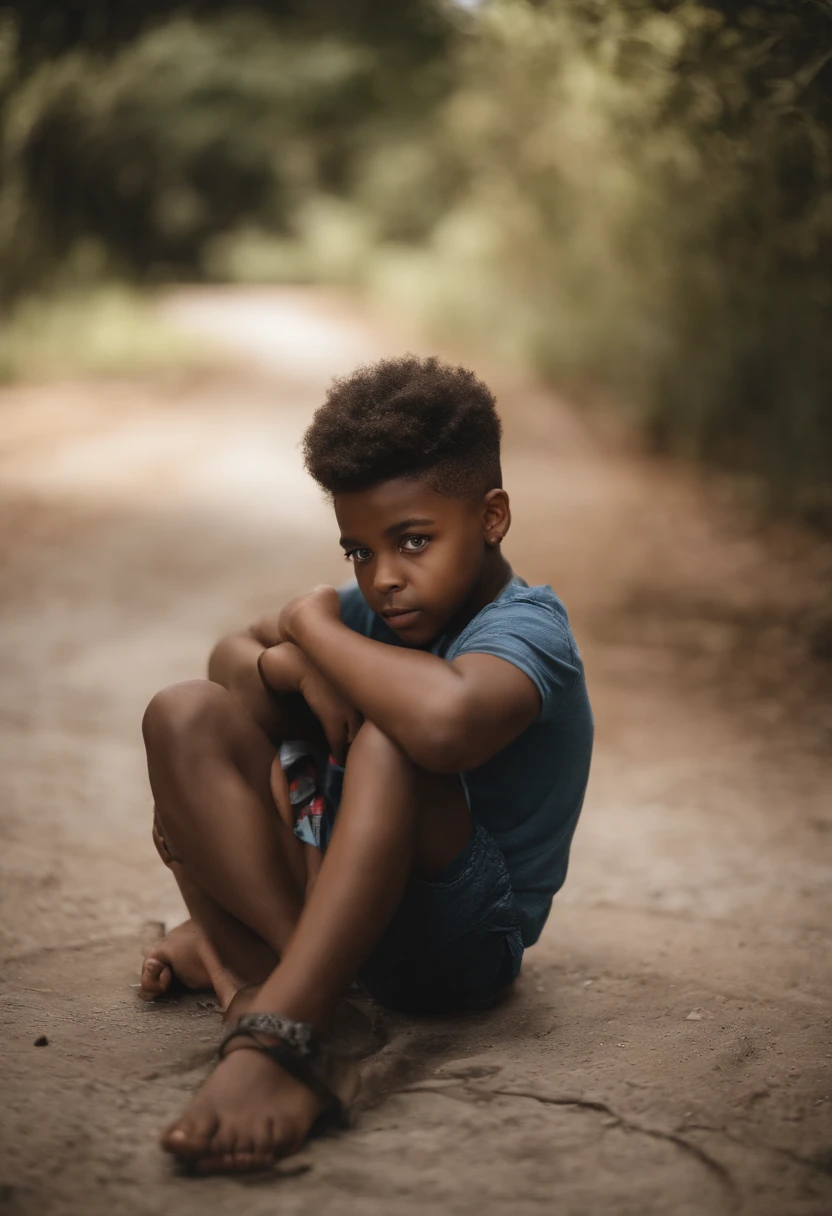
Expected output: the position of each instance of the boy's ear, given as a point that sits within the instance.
(496, 516)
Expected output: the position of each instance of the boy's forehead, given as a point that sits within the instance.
(391, 502)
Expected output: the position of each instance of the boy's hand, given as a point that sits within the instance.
(322, 601)
(285, 668)
(340, 720)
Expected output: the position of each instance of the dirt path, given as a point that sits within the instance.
(669, 1050)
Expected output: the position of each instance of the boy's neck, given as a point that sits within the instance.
(495, 575)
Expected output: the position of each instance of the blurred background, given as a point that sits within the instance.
(619, 213)
(633, 197)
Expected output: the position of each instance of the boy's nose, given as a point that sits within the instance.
(387, 578)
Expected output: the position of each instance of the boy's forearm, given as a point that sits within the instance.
(414, 697)
(234, 665)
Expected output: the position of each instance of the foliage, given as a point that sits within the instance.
(103, 330)
(192, 128)
(644, 197)
(631, 192)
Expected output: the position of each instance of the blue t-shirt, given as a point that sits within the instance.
(529, 795)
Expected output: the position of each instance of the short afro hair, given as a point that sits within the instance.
(406, 417)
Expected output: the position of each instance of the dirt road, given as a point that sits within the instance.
(669, 1048)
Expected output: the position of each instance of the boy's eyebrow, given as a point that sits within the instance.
(392, 530)
(407, 523)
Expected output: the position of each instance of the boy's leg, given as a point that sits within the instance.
(391, 820)
(210, 950)
(188, 952)
(239, 868)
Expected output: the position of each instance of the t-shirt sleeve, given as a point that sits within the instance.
(535, 638)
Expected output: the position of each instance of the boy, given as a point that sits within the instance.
(454, 697)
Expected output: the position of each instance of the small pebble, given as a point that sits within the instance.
(694, 1016)
(42, 1041)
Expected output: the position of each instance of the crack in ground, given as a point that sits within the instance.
(821, 1167)
(715, 1167)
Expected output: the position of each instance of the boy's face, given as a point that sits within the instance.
(417, 555)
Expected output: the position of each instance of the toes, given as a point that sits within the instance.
(249, 1152)
(220, 1153)
(243, 1150)
(245, 1158)
(264, 1140)
(232, 1163)
(265, 1115)
(156, 977)
(245, 1162)
(223, 1142)
(222, 1163)
(190, 1138)
(256, 1149)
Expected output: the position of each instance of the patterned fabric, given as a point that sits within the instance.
(306, 795)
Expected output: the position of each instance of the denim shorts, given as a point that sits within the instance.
(454, 942)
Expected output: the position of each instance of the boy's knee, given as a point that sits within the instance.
(182, 714)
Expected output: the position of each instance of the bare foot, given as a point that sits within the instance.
(248, 1113)
(177, 955)
(186, 955)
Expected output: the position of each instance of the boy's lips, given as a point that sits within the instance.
(400, 618)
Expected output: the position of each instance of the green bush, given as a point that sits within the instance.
(642, 196)
(636, 193)
(106, 330)
(184, 133)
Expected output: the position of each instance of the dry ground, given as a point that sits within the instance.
(669, 1047)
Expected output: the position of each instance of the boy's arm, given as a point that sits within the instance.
(254, 668)
(233, 661)
(285, 668)
(233, 664)
(448, 717)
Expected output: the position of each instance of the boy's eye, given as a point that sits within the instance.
(359, 555)
(414, 544)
